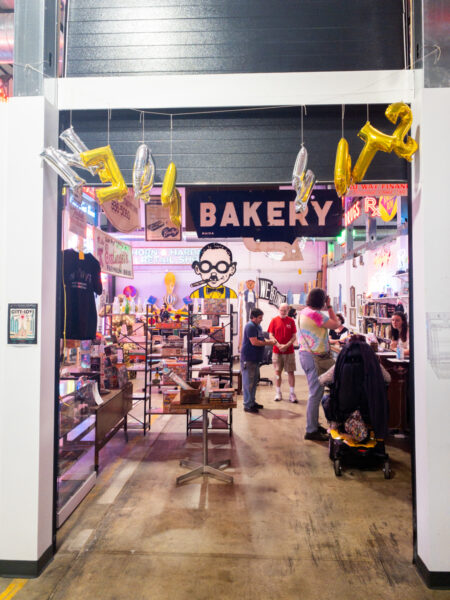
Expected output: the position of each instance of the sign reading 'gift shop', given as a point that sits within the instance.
(267, 215)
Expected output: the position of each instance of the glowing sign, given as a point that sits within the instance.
(384, 207)
(164, 256)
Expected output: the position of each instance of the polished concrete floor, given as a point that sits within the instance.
(286, 529)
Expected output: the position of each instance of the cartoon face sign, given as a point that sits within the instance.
(215, 265)
(250, 284)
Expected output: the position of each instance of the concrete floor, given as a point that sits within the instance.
(286, 529)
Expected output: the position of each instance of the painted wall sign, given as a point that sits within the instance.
(265, 215)
(114, 256)
(164, 256)
(125, 215)
(77, 221)
(377, 189)
(22, 323)
(268, 291)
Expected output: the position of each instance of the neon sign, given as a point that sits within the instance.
(384, 207)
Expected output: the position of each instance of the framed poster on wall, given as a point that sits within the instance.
(352, 296)
(353, 317)
(22, 323)
(158, 226)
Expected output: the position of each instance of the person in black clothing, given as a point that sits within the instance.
(337, 334)
(252, 350)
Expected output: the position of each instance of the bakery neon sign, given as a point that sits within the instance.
(384, 207)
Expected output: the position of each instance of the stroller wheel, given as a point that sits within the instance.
(331, 448)
(337, 467)
(387, 470)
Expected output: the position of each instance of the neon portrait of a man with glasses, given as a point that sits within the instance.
(215, 266)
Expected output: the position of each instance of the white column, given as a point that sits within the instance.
(28, 252)
(431, 288)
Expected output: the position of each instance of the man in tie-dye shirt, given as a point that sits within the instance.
(313, 337)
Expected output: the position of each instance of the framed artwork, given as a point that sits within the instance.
(352, 296)
(22, 323)
(335, 304)
(353, 317)
(359, 305)
(158, 226)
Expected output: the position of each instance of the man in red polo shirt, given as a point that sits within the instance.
(283, 332)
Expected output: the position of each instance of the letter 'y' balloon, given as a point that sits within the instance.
(109, 172)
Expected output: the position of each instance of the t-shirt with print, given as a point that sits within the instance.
(313, 334)
(282, 330)
(249, 352)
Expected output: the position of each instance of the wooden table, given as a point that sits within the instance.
(206, 468)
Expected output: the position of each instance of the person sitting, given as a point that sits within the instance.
(339, 333)
(357, 382)
(399, 332)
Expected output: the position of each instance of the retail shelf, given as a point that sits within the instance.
(375, 318)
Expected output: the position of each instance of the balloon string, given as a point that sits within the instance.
(302, 123)
(70, 117)
(343, 113)
(107, 129)
(171, 137)
(367, 113)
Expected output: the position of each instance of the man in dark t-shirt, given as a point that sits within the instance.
(251, 356)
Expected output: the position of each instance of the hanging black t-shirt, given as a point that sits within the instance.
(82, 279)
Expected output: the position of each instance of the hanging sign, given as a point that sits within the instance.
(377, 189)
(268, 291)
(77, 221)
(384, 207)
(125, 215)
(164, 256)
(114, 256)
(159, 226)
(264, 215)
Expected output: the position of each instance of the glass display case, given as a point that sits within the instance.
(76, 468)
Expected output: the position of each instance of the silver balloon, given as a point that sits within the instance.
(76, 144)
(143, 173)
(304, 193)
(299, 167)
(57, 159)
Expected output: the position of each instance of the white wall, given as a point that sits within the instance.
(430, 204)
(27, 275)
(284, 274)
(367, 278)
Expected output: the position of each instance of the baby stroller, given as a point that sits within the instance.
(358, 385)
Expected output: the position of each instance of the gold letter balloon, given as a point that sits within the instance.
(169, 182)
(108, 172)
(375, 140)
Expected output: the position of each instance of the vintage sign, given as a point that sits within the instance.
(22, 323)
(268, 291)
(125, 215)
(264, 215)
(77, 221)
(377, 189)
(158, 225)
(164, 256)
(384, 207)
(115, 257)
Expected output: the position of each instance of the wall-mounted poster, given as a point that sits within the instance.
(158, 226)
(22, 323)
(114, 256)
(353, 317)
(214, 266)
(352, 296)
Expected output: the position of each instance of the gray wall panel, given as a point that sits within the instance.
(114, 37)
(238, 147)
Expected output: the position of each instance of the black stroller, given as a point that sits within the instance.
(358, 385)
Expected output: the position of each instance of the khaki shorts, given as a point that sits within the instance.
(284, 361)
